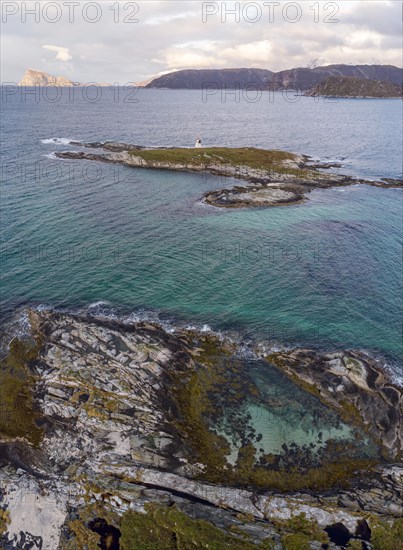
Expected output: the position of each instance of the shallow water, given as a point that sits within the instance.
(283, 420)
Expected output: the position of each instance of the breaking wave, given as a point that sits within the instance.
(56, 141)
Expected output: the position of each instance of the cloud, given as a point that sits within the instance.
(62, 54)
(164, 19)
(171, 35)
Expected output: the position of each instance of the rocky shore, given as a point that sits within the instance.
(275, 178)
(109, 438)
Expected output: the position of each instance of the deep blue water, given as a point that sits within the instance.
(327, 273)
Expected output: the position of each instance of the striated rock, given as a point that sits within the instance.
(356, 386)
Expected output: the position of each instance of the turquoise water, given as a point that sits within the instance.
(326, 273)
(285, 421)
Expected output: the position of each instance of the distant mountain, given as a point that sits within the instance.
(196, 79)
(304, 78)
(350, 86)
(39, 78)
(298, 79)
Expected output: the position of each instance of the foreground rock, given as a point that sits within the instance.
(275, 178)
(125, 414)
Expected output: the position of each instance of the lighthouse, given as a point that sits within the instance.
(198, 143)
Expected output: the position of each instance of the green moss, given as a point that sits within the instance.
(245, 462)
(354, 545)
(298, 532)
(202, 397)
(296, 541)
(329, 475)
(169, 529)
(242, 156)
(270, 161)
(387, 536)
(17, 412)
(79, 535)
(83, 537)
(300, 524)
(4, 520)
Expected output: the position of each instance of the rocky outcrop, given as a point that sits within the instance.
(354, 385)
(272, 194)
(33, 77)
(39, 78)
(349, 86)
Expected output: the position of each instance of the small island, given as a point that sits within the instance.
(274, 178)
(349, 86)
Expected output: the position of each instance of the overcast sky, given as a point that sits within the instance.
(105, 44)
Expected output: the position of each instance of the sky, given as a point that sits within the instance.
(123, 41)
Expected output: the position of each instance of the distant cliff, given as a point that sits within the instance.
(39, 78)
(349, 86)
(196, 79)
(298, 79)
(33, 77)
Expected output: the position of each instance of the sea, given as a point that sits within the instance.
(132, 244)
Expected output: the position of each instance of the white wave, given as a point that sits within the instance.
(51, 156)
(56, 141)
(18, 327)
(97, 304)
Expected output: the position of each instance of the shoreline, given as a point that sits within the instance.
(105, 311)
